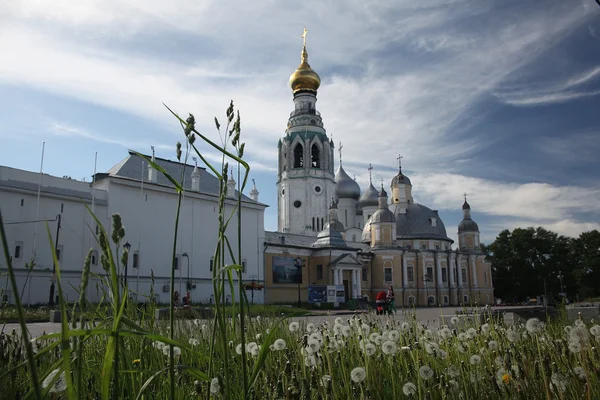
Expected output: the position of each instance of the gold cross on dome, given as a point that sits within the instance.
(340, 150)
(304, 36)
(399, 161)
(465, 195)
(370, 177)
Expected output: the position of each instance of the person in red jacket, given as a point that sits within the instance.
(381, 302)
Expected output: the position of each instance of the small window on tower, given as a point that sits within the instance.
(314, 156)
(298, 156)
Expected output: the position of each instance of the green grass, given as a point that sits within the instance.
(117, 351)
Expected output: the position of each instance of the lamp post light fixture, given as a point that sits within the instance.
(299, 264)
(127, 247)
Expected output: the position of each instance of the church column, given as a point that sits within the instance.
(359, 282)
(474, 269)
(355, 282)
(340, 277)
(451, 269)
(438, 266)
(335, 277)
(459, 269)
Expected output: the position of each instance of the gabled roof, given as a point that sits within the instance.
(131, 168)
(346, 259)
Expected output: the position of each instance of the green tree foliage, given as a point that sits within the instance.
(530, 262)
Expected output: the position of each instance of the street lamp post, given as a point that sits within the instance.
(299, 264)
(427, 278)
(53, 278)
(189, 283)
(127, 247)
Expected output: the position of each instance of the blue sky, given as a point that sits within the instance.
(496, 98)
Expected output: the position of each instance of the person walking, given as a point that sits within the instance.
(390, 299)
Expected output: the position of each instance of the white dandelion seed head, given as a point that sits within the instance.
(317, 336)
(409, 389)
(250, 346)
(215, 387)
(337, 329)
(580, 334)
(369, 349)
(426, 372)
(258, 336)
(442, 354)
(405, 348)
(453, 371)
(358, 374)
(373, 337)
(461, 348)
(475, 359)
(394, 335)
(567, 329)
(389, 347)
(463, 337)
(310, 360)
(559, 382)
(485, 328)
(454, 320)
(431, 347)
(499, 361)
(405, 326)
(595, 330)
(575, 347)
(493, 345)
(513, 336)
(238, 349)
(258, 318)
(268, 331)
(310, 328)
(279, 344)
(255, 351)
(579, 322)
(533, 326)
(294, 326)
(453, 385)
(471, 333)
(579, 372)
(325, 380)
(313, 344)
(346, 330)
(339, 321)
(158, 345)
(193, 342)
(365, 329)
(445, 333)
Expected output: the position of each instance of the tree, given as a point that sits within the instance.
(586, 260)
(527, 262)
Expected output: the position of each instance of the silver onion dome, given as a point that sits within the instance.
(369, 198)
(346, 187)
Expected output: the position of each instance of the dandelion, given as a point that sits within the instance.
(499, 361)
(158, 345)
(595, 330)
(579, 334)
(445, 333)
(339, 321)
(366, 329)
(60, 385)
(255, 351)
(453, 371)
(258, 336)
(430, 348)
(533, 326)
(485, 328)
(475, 359)
(313, 346)
(426, 372)
(471, 333)
(325, 380)
(405, 326)
(579, 372)
(238, 349)
(310, 361)
(409, 389)
(559, 382)
(215, 387)
(310, 328)
(493, 345)
(294, 326)
(442, 354)
(346, 330)
(279, 345)
(454, 320)
(373, 337)
(463, 337)
(193, 342)
(575, 347)
(176, 351)
(358, 374)
(389, 347)
(369, 349)
(513, 336)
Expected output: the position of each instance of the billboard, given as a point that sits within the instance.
(326, 294)
(285, 271)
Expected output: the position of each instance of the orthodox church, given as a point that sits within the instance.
(330, 232)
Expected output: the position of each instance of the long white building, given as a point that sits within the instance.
(147, 202)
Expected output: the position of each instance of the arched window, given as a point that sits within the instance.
(94, 257)
(430, 300)
(136, 259)
(445, 299)
(314, 156)
(298, 156)
(176, 262)
(18, 251)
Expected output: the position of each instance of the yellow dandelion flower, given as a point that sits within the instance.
(506, 378)
(137, 361)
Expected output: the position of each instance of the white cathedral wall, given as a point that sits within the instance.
(151, 224)
(347, 212)
(313, 204)
(75, 237)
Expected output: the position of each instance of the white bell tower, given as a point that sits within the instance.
(305, 181)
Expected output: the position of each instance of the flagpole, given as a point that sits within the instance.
(93, 203)
(37, 212)
(137, 281)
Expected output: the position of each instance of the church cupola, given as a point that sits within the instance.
(347, 191)
(401, 189)
(468, 230)
(368, 200)
(383, 223)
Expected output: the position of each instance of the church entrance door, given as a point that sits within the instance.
(346, 294)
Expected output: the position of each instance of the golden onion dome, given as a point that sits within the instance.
(304, 78)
